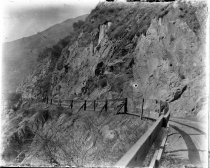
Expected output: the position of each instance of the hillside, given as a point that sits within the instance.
(157, 46)
(20, 56)
(134, 50)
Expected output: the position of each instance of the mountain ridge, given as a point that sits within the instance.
(27, 49)
(51, 27)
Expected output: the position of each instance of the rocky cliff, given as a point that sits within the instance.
(134, 50)
(154, 51)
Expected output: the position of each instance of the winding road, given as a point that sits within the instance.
(187, 142)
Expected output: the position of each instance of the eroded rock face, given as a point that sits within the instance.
(151, 51)
(103, 31)
(167, 59)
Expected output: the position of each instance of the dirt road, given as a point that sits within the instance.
(186, 144)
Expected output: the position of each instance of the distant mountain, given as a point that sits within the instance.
(19, 56)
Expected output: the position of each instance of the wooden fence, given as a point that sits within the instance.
(92, 104)
(135, 156)
(107, 104)
(95, 105)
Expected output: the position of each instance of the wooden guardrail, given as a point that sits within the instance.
(135, 156)
(108, 103)
(162, 109)
(71, 103)
(158, 153)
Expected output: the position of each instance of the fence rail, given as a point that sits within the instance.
(93, 104)
(121, 105)
(158, 153)
(135, 156)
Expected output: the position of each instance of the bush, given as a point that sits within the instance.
(44, 54)
(54, 51)
(12, 149)
(100, 69)
(60, 65)
(15, 97)
(103, 82)
(119, 31)
(17, 137)
(14, 100)
(78, 25)
(90, 86)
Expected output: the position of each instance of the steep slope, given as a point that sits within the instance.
(154, 51)
(134, 50)
(19, 56)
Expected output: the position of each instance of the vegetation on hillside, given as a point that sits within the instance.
(44, 134)
(55, 136)
(128, 23)
(14, 100)
(41, 131)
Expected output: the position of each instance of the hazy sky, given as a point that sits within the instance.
(23, 18)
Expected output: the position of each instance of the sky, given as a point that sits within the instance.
(22, 18)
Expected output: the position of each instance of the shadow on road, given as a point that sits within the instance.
(189, 126)
(178, 134)
(183, 150)
(129, 114)
(193, 153)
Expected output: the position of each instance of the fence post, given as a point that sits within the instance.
(142, 108)
(47, 99)
(59, 102)
(160, 107)
(125, 105)
(51, 101)
(94, 105)
(106, 105)
(85, 104)
(71, 105)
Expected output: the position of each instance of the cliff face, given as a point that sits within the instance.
(170, 60)
(134, 50)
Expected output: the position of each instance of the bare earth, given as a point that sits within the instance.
(186, 144)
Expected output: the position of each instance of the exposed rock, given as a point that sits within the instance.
(150, 51)
(107, 133)
(160, 57)
(103, 30)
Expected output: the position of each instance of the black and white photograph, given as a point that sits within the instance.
(104, 83)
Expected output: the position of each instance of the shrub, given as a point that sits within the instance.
(54, 51)
(78, 25)
(44, 54)
(60, 65)
(13, 99)
(91, 84)
(103, 82)
(120, 31)
(100, 68)
(19, 135)
(98, 47)
(12, 148)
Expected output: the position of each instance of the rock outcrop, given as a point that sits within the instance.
(150, 51)
(159, 47)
